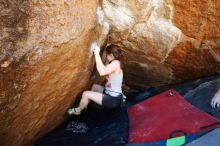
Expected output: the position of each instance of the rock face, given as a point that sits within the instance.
(165, 41)
(199, 20)
(45, 62)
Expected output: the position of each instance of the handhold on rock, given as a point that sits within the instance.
(100, 15)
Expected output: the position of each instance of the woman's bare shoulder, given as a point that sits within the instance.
(117, 65)
(116, 62)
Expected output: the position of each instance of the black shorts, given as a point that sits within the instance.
(112, 102)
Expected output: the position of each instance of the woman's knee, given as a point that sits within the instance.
(97, 88)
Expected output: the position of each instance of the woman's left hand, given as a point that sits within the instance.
(95, 48)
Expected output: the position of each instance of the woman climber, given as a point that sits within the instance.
(111, 95)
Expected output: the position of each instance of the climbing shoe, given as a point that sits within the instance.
(73, 111)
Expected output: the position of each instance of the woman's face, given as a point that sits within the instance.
(109, 57)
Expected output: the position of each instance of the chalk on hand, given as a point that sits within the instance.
(93, 46)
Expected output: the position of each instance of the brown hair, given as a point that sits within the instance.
(115, 51)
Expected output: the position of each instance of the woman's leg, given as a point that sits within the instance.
(95, 88)
(94, 95)
(87, 97)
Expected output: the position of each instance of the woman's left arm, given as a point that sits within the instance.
(102, 69)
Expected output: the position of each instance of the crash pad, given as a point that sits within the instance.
(209, 139)
(177, 141)
(156, 118)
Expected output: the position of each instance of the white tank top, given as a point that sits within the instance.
(113, 85)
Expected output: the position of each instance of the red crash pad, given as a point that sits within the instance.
(155, 118)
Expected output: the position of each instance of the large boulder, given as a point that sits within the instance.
(45, 63)
(165, 41)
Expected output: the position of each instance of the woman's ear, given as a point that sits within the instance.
(112, 56)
